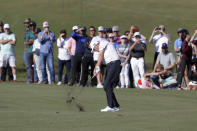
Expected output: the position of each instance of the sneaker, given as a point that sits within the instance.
(39, 82)
(116, 108)
(59, 83)
(117, 87)
(99, 85)
(107, 109)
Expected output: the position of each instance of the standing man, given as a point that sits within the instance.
(63, 57)
(81, 39)
(7, 54)
(138, 49)
(158, 40)
(4, 70)
(95, 49)
(26, 53)
(87, 60)
(47, 38)
(107, 52)
(178, 44)
(115, 30)
(29, 39)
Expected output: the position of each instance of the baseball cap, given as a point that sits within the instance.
(123, 37)
(137, 34)
(111, 35)
(115, 28)
(6, 26)
(27, 20)
(75, 27)
(1, 23)
(32, 23)
(164, 46)
(83, 28)
(100, 29)
(45, 24)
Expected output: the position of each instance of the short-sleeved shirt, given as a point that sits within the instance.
(30, 35)
(7, 49)
(96, 40)
(159, 40)
(166, 59)
(137, 51)
(123, 50)
(110, 53)
(178, 44)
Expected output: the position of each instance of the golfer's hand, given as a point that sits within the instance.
(96, 70)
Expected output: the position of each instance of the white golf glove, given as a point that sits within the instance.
(97, 69)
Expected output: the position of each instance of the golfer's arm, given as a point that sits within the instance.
(101, 54)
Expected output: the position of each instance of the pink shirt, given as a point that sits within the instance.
(72, 45)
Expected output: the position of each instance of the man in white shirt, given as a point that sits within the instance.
(158, 40)
(7, 54)
(108, 53)
(64, 58)
(95, 49)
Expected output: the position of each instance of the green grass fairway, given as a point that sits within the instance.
(26, 107)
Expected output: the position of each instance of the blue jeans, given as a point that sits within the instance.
(47, 58)
(155, 80)
(35, 73)
(61, 64)
(27, 65)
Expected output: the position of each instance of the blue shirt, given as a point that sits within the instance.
(178, 44)
(46, 44)
(80, 44)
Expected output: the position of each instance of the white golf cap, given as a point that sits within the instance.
(100, 29)
(115, 28)
(6, 26)
(137, 34)
(111, 35)
(123, 37)
(75, 27)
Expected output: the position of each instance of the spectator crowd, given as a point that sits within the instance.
(80, 54)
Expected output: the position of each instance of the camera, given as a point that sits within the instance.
(158, 28)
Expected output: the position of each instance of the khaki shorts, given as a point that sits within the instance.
(7, 59)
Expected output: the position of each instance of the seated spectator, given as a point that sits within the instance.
(167, 80)
(165, 58)
(193, 75)
(147, 83)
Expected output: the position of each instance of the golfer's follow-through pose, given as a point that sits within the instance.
(109, 55)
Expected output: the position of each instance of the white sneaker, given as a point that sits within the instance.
(117, 87)
(99, 85)
(107, 109)
(116, 108)
(59, 83)
(39, 82)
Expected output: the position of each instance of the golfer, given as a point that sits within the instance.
(107, 52)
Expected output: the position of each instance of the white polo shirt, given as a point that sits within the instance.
(96, 40)
(63, 49)
(110, 53)
(159, 40)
